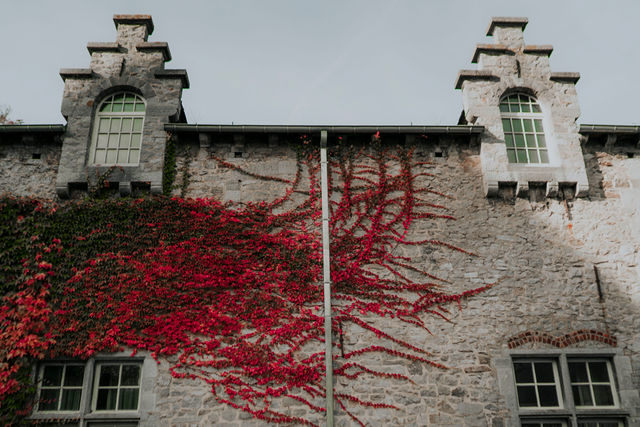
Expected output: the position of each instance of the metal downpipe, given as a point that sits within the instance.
(326, 273)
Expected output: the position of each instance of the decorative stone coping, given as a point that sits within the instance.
(474, 75)
(174, 74)
(501, 21)
(103, 47)
(155, 46)
(491, 49)
(134, 20)
(76, 73)
(542, 49)
(566, 77)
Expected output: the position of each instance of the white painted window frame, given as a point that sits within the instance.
(532, 116)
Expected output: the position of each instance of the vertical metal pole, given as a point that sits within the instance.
(326, 273)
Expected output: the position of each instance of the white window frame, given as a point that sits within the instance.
(110, 115)
(61, 388)
(118, 388)
(535, 384)
(625, 393)
(533, 116)
(87, 415)
(611, 383)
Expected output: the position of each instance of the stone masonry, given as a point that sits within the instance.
(566, 261)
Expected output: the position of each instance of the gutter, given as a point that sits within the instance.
(609, 129)
(340, 129)
(32, 128)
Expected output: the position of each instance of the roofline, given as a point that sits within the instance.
(587, 129)
(335, 129)
(32, 128)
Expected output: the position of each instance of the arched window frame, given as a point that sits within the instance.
(522, 123)
(118, 129)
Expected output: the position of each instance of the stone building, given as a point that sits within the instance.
(551, 206)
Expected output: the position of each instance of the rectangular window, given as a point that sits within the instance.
(586, 422)
(537, 383)
(60, 387)
(591, 383)
(117, 387)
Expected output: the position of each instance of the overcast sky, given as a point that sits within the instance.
(323, 62)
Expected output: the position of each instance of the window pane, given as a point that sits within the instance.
(506, 124)
(519, 140)
(125, 141)
(134, 156)
(109, 375)
(548, 395)
(602, 395)
(119, 97)
(578, 372)
(528, 125)
(139, 107)
(70, 399)
(515, 108)
(126, 124)
(128, 399)
(100, 156)
(541, 141)
(527, 396)
(504, 108)
(115, 125)
(135, 140)
(517, 125)
(531, 140)
(111, 156)
(582, 395)
(104, 125)
(123, 156)
(599, 372)
(511, 155)
(117, 108)
(130, 375)
(137, 125)
(128, 108)
(102, 140)
(526, 108)
(533, 156)
(106, 107)
(74, 376)
(508, 139)
(49, 399)
(52, 376)
(524, 372)
(544, 372)
(536, 108)
(113, 141)
(522, 156)
(106, 399)
(538, 125)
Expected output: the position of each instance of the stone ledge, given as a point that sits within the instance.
(103, 47)
(156, 46)
(565, 77)
(76, 73)
(541, 49)
(174, 74)
(502, 21)
(134, 20)
(490, 48)
(474, 75)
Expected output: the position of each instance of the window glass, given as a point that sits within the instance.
(60, 387)
(118, 127)
(591, 383)
(118, 387)
(522, 123)
(537, 383)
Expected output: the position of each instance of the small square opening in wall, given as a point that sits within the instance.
(36, 156)
(507, 190)
(567, 190)
(537, 191)
(237, 154)
(631, 155)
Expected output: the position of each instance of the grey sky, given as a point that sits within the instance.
(330, 61)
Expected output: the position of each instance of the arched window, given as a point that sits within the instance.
(523, 132)
(117, 133)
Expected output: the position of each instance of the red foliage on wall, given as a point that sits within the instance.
(231, 294)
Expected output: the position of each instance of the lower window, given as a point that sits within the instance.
(87, 394)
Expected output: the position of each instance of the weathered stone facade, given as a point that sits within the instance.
(565, 255)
